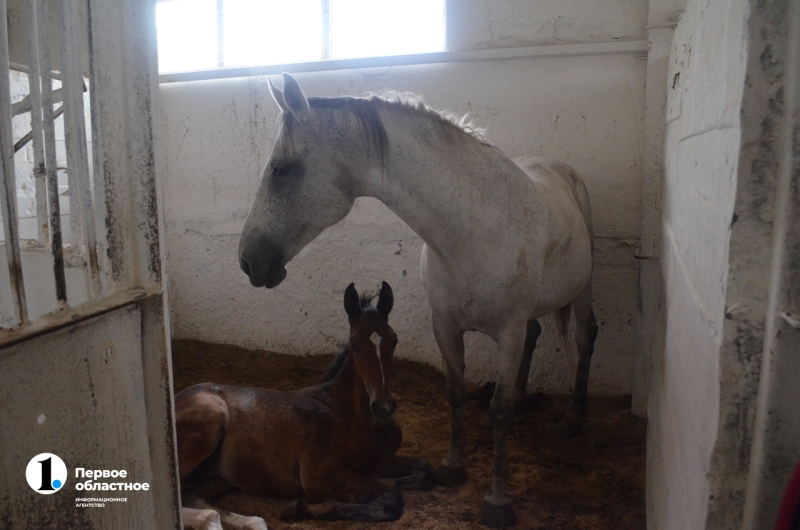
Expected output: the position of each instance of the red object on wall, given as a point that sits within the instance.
(789, 511)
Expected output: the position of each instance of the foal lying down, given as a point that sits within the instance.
(331, 447)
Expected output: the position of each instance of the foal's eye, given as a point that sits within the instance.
(355, 348)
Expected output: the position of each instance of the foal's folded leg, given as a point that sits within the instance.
(198, 501)
(200, 519)
(342, 494)
(388, 506)
(203, 516)
(406, 473)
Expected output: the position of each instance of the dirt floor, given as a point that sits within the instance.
(594, 481)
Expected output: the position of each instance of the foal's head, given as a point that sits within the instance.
(371, 346)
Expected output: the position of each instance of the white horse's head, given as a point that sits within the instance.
(307, 184)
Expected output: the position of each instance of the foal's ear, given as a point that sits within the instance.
(385, 300)
(277, 95)
(294, 98)
(352, 305)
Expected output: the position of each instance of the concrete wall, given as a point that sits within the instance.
(776, 431)
(702, 141)
(480, 24)
(587, 111)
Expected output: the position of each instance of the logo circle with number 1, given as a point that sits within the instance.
(46, 473)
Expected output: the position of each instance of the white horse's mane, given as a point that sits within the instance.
(415, 102)
(365, 108)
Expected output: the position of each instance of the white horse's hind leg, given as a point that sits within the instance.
(521, 384)
(585, 334)
(200, 519)
(451, 343)
(497, 510)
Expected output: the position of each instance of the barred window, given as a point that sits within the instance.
(206, 34)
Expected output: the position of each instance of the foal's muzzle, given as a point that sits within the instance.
(383, 411)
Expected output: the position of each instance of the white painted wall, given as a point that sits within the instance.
(702, 143)
(480, 24)
(587, 111)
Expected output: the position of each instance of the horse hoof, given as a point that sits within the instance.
(451, 477)
(295, 511)
(568, 427)
(427, 475)
(497, 515)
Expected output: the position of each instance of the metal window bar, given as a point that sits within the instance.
(75, 132)
(25, 69)
(51, 165)
(8, 192)
(22, 142)
(35, 97)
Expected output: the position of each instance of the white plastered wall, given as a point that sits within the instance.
(587, 111)
(701, 155)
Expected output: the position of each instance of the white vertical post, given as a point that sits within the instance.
(51, 162)
(75, 132)
(34, 80)
(8, 191)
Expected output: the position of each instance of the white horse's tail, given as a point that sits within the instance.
(563, 324)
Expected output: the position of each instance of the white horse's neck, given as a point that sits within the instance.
(440, 181)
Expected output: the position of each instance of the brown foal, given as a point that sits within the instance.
(330, 446)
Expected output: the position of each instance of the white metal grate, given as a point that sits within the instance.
(112, 219)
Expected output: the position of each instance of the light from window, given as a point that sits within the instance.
(187, 35)
(206, 34)
(271, 32)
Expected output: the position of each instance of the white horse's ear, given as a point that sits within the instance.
(277, 95)
(294, 99)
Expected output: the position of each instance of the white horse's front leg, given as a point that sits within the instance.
(497, 510)
(450, 339)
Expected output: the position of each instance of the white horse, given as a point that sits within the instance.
(506, 241)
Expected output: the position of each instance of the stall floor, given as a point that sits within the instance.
(595, 480)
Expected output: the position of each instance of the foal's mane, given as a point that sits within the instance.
(344, 350)
(366, 110)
